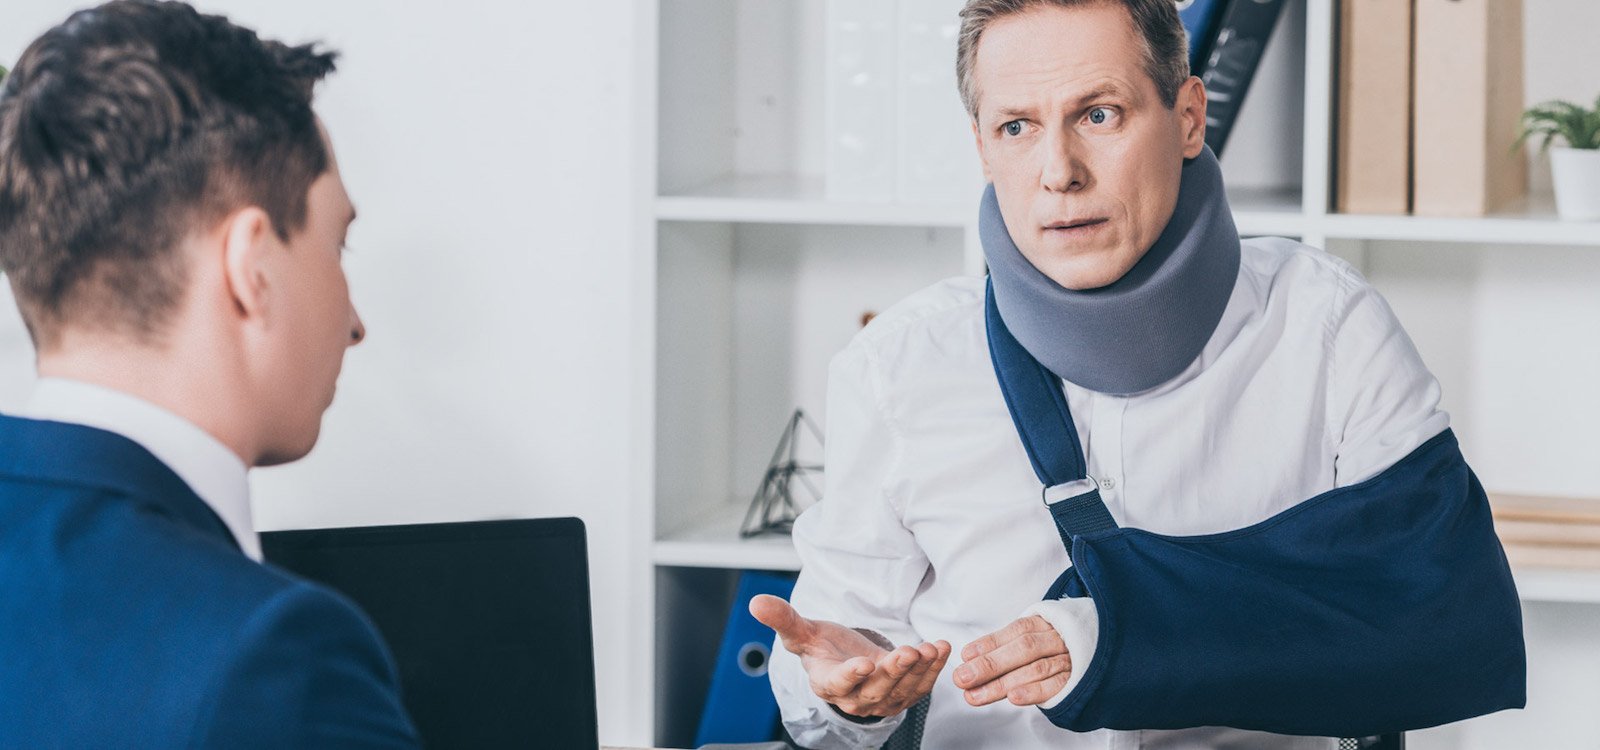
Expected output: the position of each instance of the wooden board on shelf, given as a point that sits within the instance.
(1548, 509)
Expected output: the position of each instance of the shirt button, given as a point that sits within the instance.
(1108, 483)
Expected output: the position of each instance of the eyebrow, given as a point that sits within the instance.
(1098, 92)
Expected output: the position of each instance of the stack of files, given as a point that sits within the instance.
(1468, 85)
(1429, 96)
(1550, 532)
(1372, 147)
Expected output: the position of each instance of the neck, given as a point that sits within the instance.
(1142, 330)
(161, 375)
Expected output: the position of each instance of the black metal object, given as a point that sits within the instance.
(773, 509)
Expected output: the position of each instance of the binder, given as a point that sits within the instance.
(1468, 107)
(1200, 21)
(1241, 39)
(861, 81)
(1373, 126)
(740, 706)
(935, 161)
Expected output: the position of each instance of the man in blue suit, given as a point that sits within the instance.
(171, 224)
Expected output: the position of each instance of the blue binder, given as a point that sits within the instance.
(1200, 20)
(740, 706)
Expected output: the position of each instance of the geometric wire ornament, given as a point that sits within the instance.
(773, 509)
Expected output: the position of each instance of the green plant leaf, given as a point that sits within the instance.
(1578, 126)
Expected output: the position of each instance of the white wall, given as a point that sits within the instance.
(487, 146)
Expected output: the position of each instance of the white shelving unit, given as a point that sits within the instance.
(754, 278)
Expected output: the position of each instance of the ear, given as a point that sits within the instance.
(983, 156)
(1191, 110)
(247, 239)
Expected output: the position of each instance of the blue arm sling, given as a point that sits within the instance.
(1379, 607)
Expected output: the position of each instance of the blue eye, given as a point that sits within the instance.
(1013, 128)
(1098, 115)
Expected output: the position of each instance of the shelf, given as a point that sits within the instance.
(713, 542)
(1269, 212)
(787, 199)
(1558, 585)
(1533, 223)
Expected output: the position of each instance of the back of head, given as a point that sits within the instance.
(129, 128)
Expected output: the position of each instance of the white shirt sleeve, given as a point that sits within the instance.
(860, 566)
(1382, 401)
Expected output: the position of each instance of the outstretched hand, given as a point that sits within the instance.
(848, 669)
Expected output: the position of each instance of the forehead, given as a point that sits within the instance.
(1050, 51)
(328, 195)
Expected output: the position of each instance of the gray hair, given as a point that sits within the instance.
(1166, 43)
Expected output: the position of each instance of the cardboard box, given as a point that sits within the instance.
(1373, 129)
(1469, 101)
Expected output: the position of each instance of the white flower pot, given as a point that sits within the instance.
(1576, 173)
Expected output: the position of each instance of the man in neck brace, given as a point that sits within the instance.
(1212, 384)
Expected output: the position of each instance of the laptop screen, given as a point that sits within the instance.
(488, 622)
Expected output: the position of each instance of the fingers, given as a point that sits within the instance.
(842, 681)
(923, 684)
(899, 679)
(904, 691)
(1017, 628)
(890, 669)
(1028, 685)
(1020, 643)
(1035, 693)
(777, 614)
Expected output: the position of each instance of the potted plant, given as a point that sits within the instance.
(1574, 167)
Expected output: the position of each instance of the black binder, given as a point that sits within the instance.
(1235, 53)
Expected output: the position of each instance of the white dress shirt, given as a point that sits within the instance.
(932, 527)
(215, 473)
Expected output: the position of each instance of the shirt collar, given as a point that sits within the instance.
(214, 473)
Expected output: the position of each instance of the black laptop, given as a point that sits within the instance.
(488, 621)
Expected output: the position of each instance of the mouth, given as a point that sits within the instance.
(1077, 227)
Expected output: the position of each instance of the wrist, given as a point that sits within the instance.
(852, 718)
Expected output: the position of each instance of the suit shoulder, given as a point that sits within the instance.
(312, 660)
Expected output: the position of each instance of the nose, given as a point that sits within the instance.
(1063, 170)
(358, 330)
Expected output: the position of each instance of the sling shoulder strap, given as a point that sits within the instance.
(1043, 420)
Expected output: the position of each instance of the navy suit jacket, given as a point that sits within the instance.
(130, 618)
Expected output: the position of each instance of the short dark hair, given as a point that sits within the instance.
(126, 129)
(1157, 22)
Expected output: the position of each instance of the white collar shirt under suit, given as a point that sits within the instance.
(932, 526)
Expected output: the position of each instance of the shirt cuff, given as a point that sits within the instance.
(1078, 624)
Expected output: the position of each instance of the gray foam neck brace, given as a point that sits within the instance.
(1143, 329)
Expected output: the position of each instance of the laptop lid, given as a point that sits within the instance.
(488, 621)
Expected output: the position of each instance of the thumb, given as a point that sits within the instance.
(779, 615)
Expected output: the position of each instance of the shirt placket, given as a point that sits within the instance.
(1105, 461)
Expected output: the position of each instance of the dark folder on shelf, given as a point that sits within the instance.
(740, 706)
(1200, 21)
(1241, 39)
